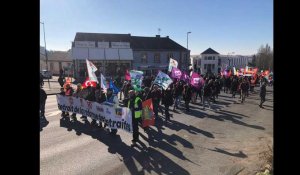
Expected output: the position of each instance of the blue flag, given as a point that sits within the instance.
(113, 87)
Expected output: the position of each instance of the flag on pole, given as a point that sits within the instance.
(185, 77)
(147, 113)
(89, 82)
(127, 75)
(91, 70)
(162, 80)
(246, 69)
(136, 79)
(196, 80)
(234, 71)
(113, 87)
(176, 73)
(103, 82)
(172, 63)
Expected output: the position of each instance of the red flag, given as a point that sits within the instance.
(89, 82)
(147, 113)
(127, 75)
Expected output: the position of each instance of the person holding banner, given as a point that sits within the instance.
(68, 92)
(62, 92)
(76, 94)
(136, 107)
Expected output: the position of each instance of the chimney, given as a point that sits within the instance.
(157, 36)
(167, 36)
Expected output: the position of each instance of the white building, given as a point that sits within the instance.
(211, 61)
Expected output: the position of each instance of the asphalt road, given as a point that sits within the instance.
(224, 140)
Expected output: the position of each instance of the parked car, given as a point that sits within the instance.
(46, 74)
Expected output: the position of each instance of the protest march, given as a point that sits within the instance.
(138, 100)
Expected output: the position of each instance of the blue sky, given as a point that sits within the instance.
(239, 26)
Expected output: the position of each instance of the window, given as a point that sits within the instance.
(213, 66)
(156, 58)
(213, 57)
(219, 62)
(209, 58)
(205, 58)
(144, 58)
(205, 66)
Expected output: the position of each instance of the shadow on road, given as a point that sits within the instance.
(237, 115)
(224, 115)
(149, 158)
(240, 154)
(177, 126)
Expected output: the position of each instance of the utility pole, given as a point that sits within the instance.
(45, 50)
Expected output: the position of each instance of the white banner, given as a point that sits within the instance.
(114, 117)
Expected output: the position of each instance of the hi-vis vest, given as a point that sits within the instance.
(137, 113)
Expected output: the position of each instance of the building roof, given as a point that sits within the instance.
(102, 37)
(136, 42)
(155, 43)
(209, 51)
(59, 55)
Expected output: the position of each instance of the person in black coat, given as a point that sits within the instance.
(234, 86)
(167, 100)
(244, 89)
(41, 80)
(207, 92)
(187, 94)
(61, 81)
(155, 94)
(262, 94)
(43, 97)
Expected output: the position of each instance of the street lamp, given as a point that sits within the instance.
(228, 57)
(45, 50)
(187, 39)
(187, 44)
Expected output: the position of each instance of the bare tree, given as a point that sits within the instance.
(264, 58)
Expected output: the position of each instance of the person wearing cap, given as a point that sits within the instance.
(135, 105)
